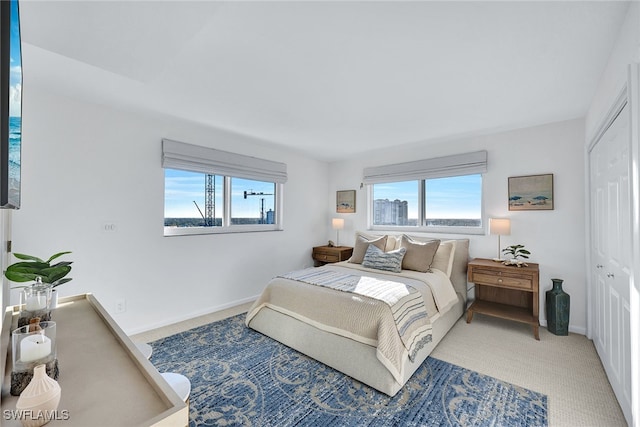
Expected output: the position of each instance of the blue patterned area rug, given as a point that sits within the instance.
(240, 377)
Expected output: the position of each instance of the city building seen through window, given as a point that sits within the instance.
(442, 203)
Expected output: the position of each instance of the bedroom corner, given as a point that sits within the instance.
(510, 153)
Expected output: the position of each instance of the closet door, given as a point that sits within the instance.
(611, 255)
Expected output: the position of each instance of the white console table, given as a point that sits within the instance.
(105, 379)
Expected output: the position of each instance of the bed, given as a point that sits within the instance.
(353, 332)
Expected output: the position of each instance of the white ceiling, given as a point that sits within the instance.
(331, 79)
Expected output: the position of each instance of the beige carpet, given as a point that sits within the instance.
(566, 369)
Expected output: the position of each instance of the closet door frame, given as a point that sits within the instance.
(633, 85)
(630, 96)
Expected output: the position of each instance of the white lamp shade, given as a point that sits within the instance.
(337, 223)
(500, 226)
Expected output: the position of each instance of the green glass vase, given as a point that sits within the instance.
(557, 309)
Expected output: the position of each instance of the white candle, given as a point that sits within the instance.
(34, 347)
(36, 302)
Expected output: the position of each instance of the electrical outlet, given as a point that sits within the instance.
(109, 227)
(121, 306)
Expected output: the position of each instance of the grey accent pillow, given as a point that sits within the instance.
(420, 254)
(362, 243)
(388, 261)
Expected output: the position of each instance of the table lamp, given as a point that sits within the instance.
(501, 227)
(337, 224)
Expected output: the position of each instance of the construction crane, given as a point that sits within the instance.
(253, 193)
(209, 201)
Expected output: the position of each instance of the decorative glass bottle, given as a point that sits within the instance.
(35, 302)
(557, 309)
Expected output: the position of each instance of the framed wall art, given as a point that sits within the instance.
(531, 193)
(11, 107)
(346, 201)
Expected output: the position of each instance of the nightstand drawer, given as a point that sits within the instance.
(499, 278)
(324, 257)
(328, 254)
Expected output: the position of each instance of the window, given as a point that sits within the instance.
(396, 203)
(252, 202)
(444, 194)
(445, 203)
(453, 202)
(210, 191)
(192, 199)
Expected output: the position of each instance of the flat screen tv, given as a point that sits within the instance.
(11, 108)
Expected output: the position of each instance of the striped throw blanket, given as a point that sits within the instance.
(406, 303)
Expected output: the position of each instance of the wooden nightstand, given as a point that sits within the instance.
(326, 254)
(505, 291)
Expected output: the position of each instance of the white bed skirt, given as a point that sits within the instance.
(353, 358)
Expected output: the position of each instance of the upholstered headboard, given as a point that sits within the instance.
(459, 271)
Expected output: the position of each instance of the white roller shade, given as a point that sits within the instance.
(440, 167)
(195, 158)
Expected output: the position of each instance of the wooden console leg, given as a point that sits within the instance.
(536, 333)
(469, 316)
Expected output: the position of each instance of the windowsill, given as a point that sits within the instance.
(196, 231)
(442, 230)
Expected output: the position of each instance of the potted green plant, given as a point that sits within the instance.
(516, 251)
(30, 267)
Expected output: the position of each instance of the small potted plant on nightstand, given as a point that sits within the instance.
(516, 251)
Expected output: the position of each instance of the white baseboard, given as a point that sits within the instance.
(189, 316)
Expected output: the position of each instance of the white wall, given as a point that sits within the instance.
(84, 165)
(625, 51)
(555, 238)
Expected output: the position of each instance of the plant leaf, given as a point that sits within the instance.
(54, 273)
(20, 277)
(59, 254)
(27, 266)
(62, 264)
(28, 257)
(61, 282)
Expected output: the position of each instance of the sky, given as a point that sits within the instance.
(15, 79)
(443, 196)
(183, 188)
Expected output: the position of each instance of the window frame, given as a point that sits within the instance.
(182, 156)
(226, 226)
(422, 228)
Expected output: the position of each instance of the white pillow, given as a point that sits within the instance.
(393, 243)
(362, 243)
(443, 260)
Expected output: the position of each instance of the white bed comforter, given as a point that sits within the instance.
(354, 316)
